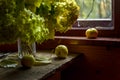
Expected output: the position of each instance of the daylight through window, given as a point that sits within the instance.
(95, 13)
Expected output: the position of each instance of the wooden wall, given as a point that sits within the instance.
(98, 63)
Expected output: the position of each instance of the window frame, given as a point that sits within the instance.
(106, 32)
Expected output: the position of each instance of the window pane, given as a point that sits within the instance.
(95, 13)
(95, 9)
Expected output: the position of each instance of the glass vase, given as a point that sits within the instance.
(25, 48)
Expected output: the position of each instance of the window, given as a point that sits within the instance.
(95, 9)
(108, 27)
(95, 13)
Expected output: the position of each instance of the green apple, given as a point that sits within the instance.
(61, 51)
(91, 33)
(28, 61)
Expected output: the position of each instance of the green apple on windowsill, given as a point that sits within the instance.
(91, 33)
(61, 51)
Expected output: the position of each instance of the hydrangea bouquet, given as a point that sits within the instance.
(35, 20)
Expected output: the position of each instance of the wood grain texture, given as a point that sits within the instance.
(98, 63)
(37, 72)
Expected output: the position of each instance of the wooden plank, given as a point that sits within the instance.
(36, 72)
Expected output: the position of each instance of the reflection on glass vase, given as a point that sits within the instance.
(25, 48)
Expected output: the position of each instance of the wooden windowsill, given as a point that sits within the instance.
(100, 41)
(68, 40)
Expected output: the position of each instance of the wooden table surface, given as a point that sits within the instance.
(36, 72)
